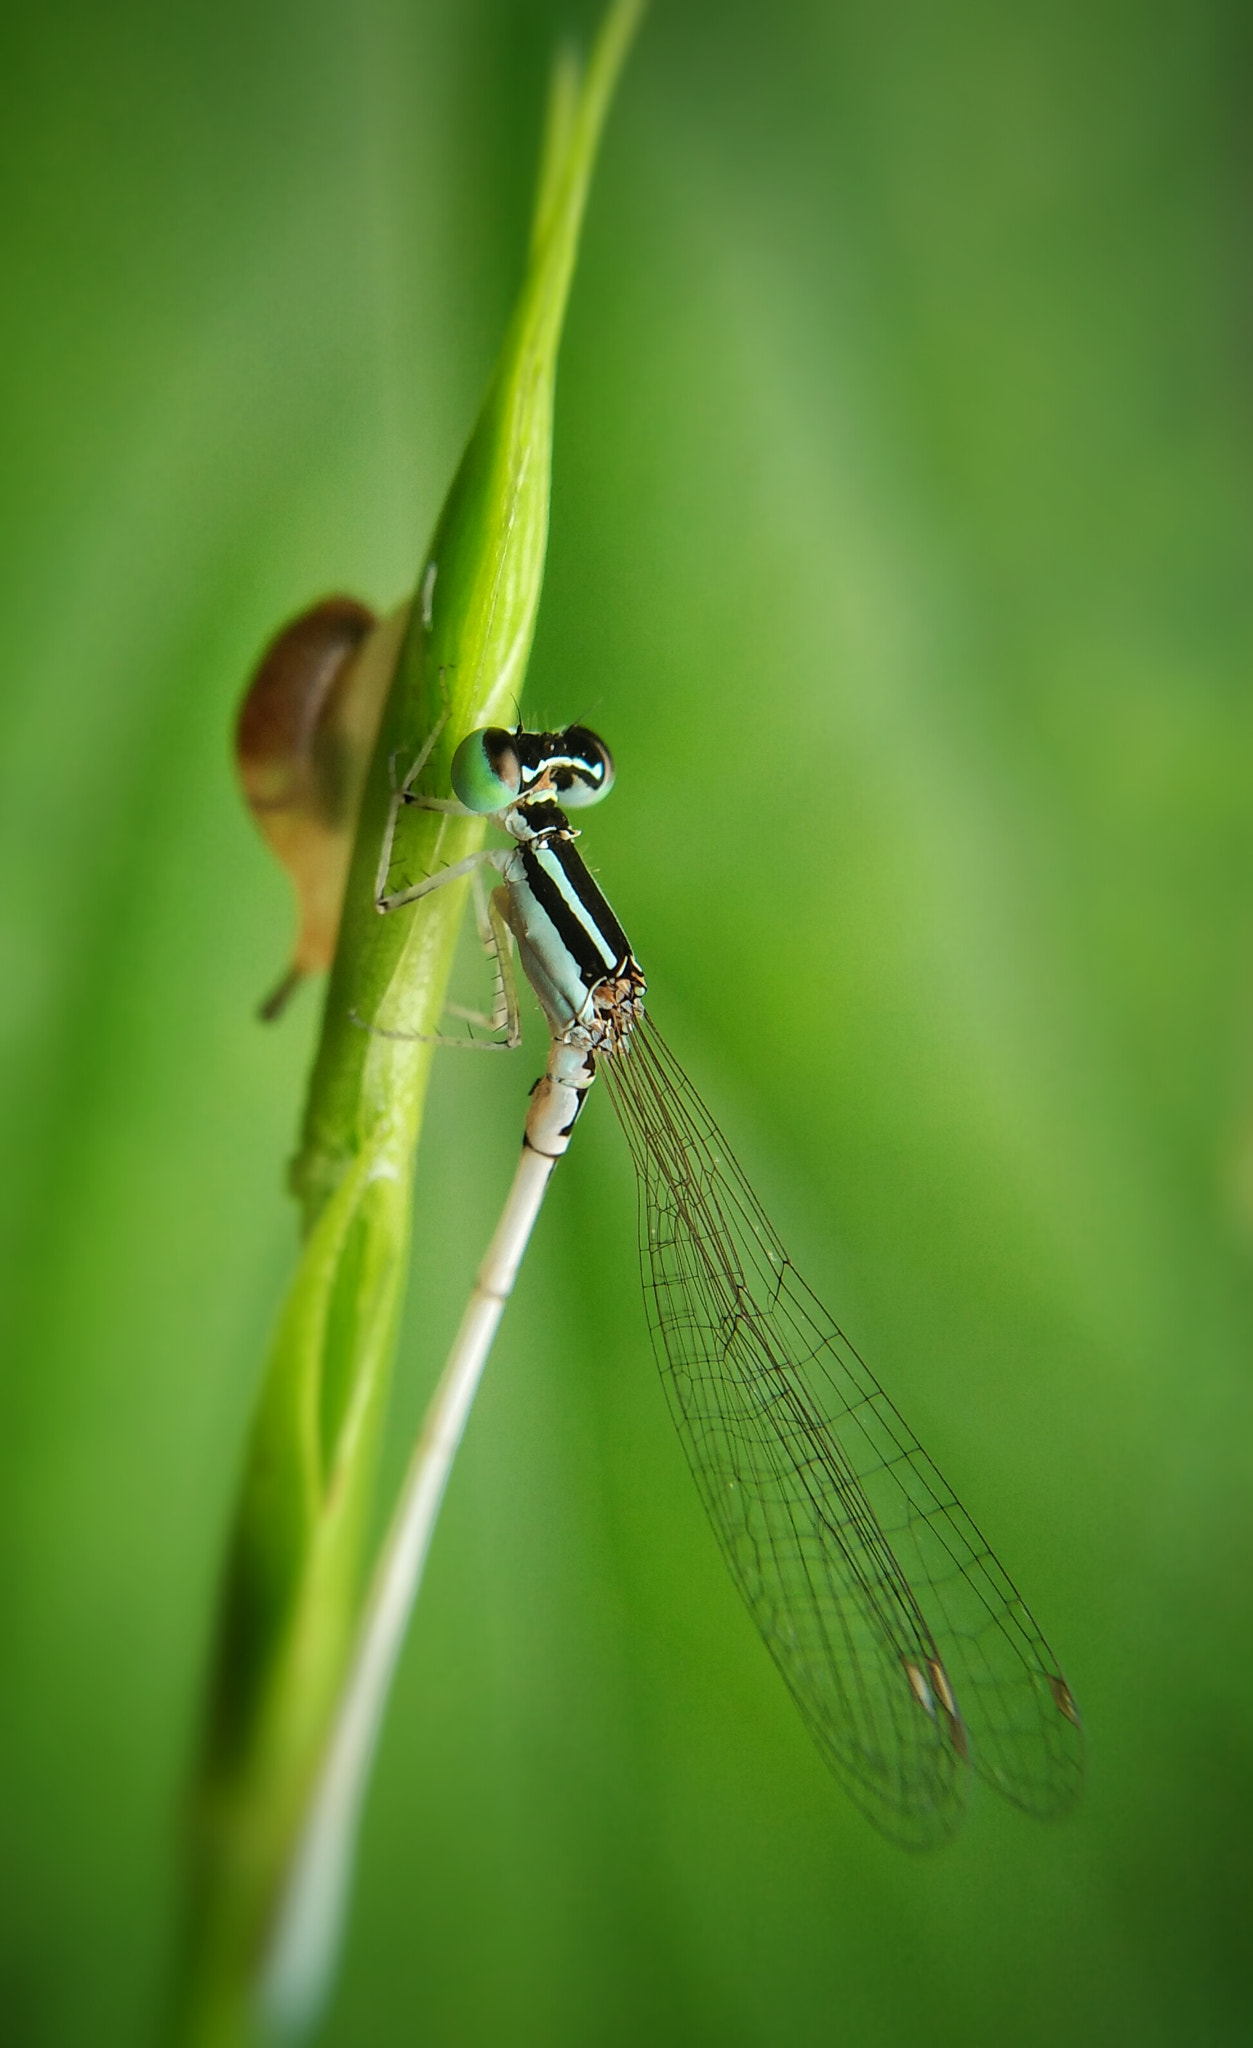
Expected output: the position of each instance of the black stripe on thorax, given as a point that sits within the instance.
(575, 869)
(574, 937)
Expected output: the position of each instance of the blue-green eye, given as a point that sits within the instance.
(486, 772)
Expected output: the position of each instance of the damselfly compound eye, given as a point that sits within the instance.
(486, 772)
(584, 774)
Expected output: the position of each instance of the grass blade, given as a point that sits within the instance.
(291, 1599)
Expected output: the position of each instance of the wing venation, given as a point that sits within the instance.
(905, 1644)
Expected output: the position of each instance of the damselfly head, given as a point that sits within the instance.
(492, 770)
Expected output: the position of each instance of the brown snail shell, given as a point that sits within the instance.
(303, 740)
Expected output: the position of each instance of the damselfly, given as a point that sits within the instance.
(905, 1644)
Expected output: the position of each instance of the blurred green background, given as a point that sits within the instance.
(901, 548)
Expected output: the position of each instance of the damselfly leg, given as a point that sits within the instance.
(497, 942)
(403, 793)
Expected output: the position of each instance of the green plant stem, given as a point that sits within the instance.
(292, 1590)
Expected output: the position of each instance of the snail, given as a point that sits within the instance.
(303, 739)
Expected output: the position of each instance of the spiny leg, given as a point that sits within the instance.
(485, 857)
(489, 943)
(403, 793)
(497, 942)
